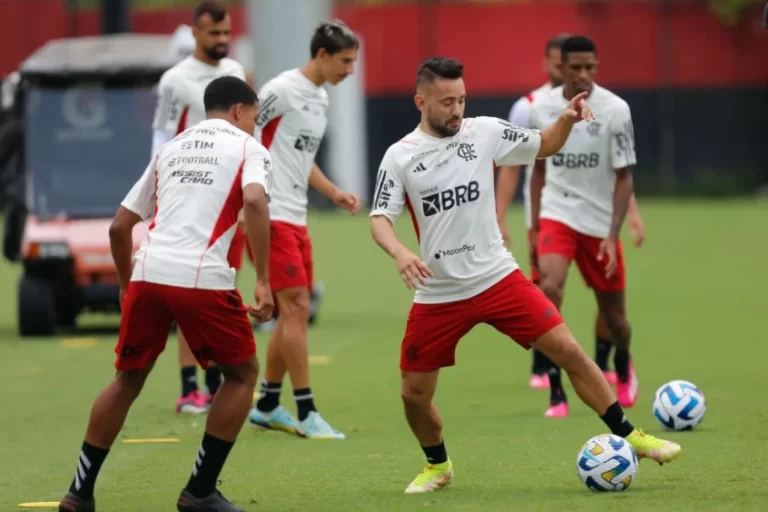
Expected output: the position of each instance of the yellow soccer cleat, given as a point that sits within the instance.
(432, 478)
(648, 446)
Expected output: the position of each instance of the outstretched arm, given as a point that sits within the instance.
(413, 271)
(553, 137)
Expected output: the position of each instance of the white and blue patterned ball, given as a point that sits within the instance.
(679, 405)
(607, 463)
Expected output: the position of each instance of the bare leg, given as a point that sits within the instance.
(417, 392)
(554, 271)
(603, 343)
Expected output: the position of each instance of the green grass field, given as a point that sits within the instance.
(696, 299)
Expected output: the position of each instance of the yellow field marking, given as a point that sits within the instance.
(40, 504)
(320, 360)
(151, 440)
(79, 342)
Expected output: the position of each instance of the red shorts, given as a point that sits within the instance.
(235, 254)
(557, 238)
(534, 269)
(514, 306)
(290, 256)
(214, 322)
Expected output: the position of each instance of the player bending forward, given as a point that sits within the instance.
(196, 186)
(465, 276)
(293, 123)
(587, 190)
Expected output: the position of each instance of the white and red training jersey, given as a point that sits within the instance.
(180, 96)
(292, 120)
(448, 186)
(194, 189)
(520, 115)
(581, 178)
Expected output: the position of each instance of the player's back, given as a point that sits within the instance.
(198, 198)
(181, 90)
(580, 179)
(292, 120)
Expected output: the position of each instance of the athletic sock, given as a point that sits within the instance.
(602, 351)
(269, 398)
(436, 454)
(212, 379)
(615, 419)
(304, 402)
(539, 363)
(211, 457)
(88, 466)
(621, 362)
(188, 380)
(556, 391)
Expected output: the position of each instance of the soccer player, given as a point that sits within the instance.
(579, 199)
(506, 185)
(293, 121)
(195, 187)
(465, 276)
(180, 106)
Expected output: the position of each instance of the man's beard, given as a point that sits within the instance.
(443, 129)
(217, 52)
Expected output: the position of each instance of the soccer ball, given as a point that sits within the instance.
(679, 405)
(607, 463)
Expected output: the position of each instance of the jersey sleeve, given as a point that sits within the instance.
(169, 106)
(512, 145)
(142, 196)
(622, 138)
(389, 192)
(520, 113)
(257, 167)
(273, 103)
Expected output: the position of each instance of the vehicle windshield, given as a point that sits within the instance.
(86, 145)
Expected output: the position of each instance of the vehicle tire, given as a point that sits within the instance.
(37, 307)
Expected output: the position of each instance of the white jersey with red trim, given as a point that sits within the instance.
(292, 120)
(581, 178)
(194, 189)
(520, 115)
(447, 184)
(180, 96)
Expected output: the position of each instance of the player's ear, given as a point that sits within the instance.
(418, 99)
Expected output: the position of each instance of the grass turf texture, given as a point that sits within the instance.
(696, 297)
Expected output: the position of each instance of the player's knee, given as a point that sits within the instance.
(415, 393)
(552, 288)
(131, 382)
(246, 373)
(296, 308)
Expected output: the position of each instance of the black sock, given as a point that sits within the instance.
(188, 380)
(621, 362)
(602, 351)
(615, 419)
(212, 379)
(269, 398)
(211, 457)
(436, 454)
(539, 363)
(304, 402)
(88, 466)
(556, 391)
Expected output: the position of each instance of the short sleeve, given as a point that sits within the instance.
(273, 103)
(622, 138)
(389, 191)
(520, 113)
(534, 117)
(169, 105)
(142, 196)
(512, 145)
(257, 167)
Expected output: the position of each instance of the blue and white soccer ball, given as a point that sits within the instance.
(607, 463)
(679, 405)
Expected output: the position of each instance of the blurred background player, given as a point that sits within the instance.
(506, 186)
(442, 167)
(180, 106)
(292, 122)
(579, 199)
(181, 274)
